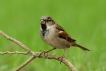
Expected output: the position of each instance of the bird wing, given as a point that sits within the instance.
(62, 34)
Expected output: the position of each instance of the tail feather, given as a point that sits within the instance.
(77, 45)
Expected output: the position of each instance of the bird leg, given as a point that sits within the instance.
(43, 51)
(63, 56)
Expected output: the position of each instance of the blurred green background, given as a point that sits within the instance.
(84, 20)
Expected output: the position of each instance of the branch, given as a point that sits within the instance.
(25, 63)
(34, 54)
(15, 41)
(16, 52)
(47, 56)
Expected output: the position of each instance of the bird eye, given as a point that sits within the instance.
(48, 20)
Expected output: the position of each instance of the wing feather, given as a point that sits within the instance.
(62, 34)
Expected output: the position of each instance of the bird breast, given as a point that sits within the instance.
(52, 38)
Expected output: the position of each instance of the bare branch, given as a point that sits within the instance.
(34, 54)
(15, 41)
(25, 63)
(16, 52)
(56, 57)
(47, 56)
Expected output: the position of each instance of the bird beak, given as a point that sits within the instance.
(43, 22)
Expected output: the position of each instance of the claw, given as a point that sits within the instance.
(61, 58)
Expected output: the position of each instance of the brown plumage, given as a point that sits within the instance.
(56, 36)
(64, 35)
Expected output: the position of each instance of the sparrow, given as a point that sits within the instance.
(56, 36)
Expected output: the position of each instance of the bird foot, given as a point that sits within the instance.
(43, 52)
(61, 58)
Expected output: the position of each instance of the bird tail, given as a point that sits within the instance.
(77, 45)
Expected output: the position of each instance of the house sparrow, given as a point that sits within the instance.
(56, 36)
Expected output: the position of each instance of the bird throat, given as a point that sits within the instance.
(44, 27)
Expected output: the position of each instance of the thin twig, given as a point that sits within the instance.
(25, 63)
(16, 52)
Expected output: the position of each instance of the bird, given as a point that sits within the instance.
(55, 36)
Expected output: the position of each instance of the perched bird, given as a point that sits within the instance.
(56, 36)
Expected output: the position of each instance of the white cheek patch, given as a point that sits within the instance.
(41, 20)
